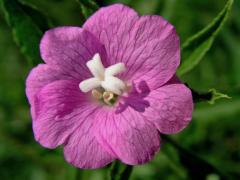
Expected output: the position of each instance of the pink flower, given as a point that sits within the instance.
(107, 89)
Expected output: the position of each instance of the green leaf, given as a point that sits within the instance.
(217, 95)
(37, 16)
(88, 7)
(119, 171)
(211, 96)
(195, 48)
(26, 32)
(194, 164)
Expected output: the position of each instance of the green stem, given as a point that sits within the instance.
(198, 97)
(119, 171)
(126, 173)
(78, 174)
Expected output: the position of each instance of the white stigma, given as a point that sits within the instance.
(103, 77)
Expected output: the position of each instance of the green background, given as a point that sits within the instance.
(214, 133)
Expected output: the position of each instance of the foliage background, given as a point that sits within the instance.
(213, 134)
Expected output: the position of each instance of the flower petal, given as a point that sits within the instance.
(59, 108)
(39, 77)
(112, 26)
(83, 150)
(128, 135)
(174, 80)
(170, 108)
(70, 48)
(65, 116)
(155, 55)
(148, 45)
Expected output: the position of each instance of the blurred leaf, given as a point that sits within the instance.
(195, 165)
(174, 163)
(200, 43)
(26, 33)
(88, 7)
(168, 9)
(119, 171)
(38, 17)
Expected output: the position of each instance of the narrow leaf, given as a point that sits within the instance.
(26, 33)
(88, 7)
(119, 171)
(195, 48)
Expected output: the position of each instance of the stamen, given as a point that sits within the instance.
(96, 67)
(97, 94)
(115, 69)
(114, 85)
(109, 98)
(104, 78)
(89, 84)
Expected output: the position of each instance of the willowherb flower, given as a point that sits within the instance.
(109, 89)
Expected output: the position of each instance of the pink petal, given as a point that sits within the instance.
(70, 48)
(170, 108)
(64, 115)
(128, 135)
(39, 77)
(58, 111)
(112, 26)
(174, 80)
(83, 150)
(148, 45)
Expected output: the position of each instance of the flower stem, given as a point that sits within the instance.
(198, 97)
(119, 171)
(78, 174)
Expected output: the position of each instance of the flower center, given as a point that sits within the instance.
(104, 85)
